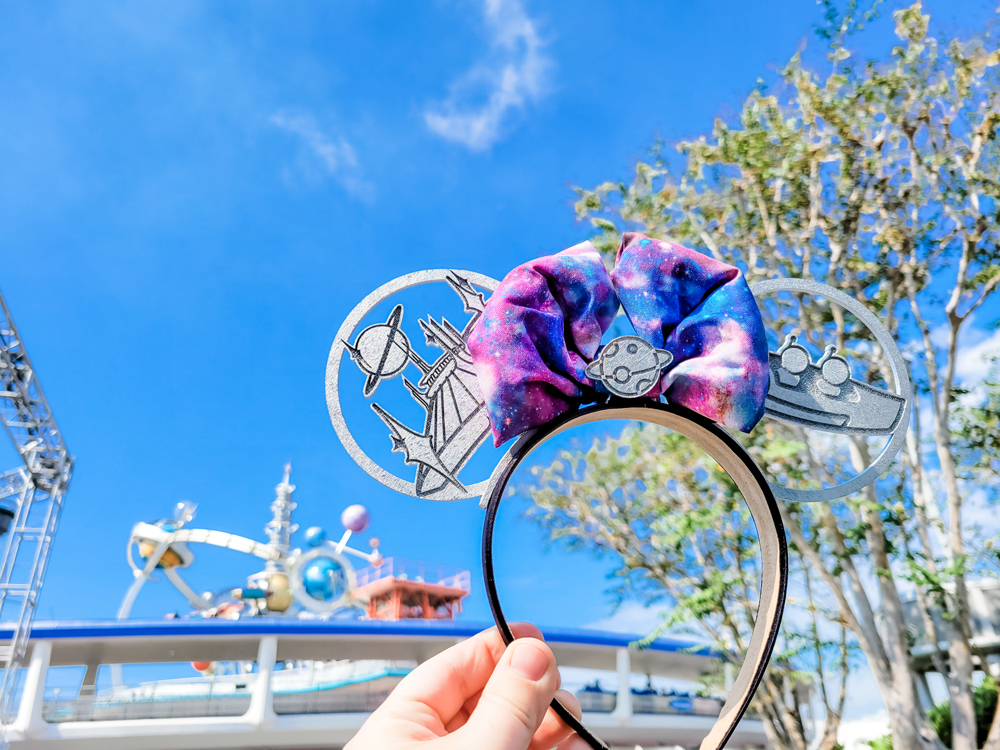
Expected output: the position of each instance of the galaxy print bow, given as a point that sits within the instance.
(543, 325)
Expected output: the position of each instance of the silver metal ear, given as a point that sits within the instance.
(455, 423)
(824, 396)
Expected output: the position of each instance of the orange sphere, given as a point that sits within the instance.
(202, 666)
(170, 559)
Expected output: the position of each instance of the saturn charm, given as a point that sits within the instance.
(629, 366)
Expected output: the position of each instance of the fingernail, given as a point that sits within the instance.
(528, 660)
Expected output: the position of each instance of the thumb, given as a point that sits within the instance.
(514, 701)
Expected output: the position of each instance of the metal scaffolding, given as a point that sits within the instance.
(31, 498)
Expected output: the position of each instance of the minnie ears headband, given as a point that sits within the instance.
(529, 359)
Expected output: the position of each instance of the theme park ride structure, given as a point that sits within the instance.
(319, 579)
(31, 498)
(294, 679)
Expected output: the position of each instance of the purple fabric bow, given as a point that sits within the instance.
(543, 326)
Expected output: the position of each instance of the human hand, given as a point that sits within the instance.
(478, 694)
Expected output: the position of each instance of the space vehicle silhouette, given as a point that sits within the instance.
(456, 421)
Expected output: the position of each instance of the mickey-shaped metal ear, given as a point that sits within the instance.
(444, 387)
(823, 395)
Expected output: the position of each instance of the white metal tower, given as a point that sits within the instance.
(280, 528)
(31, 498)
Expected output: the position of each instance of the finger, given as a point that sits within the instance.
(445, 682)
(470, 705)
(463, 713)
(576, 742)
(553, 729)
(515, 699)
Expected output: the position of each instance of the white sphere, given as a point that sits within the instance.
(355, 518)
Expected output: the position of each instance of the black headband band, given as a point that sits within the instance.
(734, 460)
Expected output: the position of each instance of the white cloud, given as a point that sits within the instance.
(973, 344)
(633, 618)
(972, 363)
(979, 510)
(856, 734)
(331, 155)
(512, 75)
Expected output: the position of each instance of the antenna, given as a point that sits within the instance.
(280, 528)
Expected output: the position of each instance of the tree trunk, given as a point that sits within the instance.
(993, 738)
(775, 738)
(790, 729)
(829, 741)
(959, 680)
(963, 711)
(910, 726)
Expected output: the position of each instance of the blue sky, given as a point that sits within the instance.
(194, 195)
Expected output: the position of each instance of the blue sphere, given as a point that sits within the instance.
(324, 579)
(315, 536)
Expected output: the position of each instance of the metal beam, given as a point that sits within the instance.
(33, 493)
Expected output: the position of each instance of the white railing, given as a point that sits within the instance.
(146, 702)
(401, 569)
(605, 702)
(302, 688)
(164, 702)
(331, 701)
(307, 704)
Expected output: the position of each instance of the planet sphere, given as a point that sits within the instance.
(169, 559)
(355, 518)
(315, 536)
(384, 350)
(279, 593)
(323, 579)
(629, 366)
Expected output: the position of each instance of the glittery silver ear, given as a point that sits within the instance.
(824, 396)
(455, 421)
